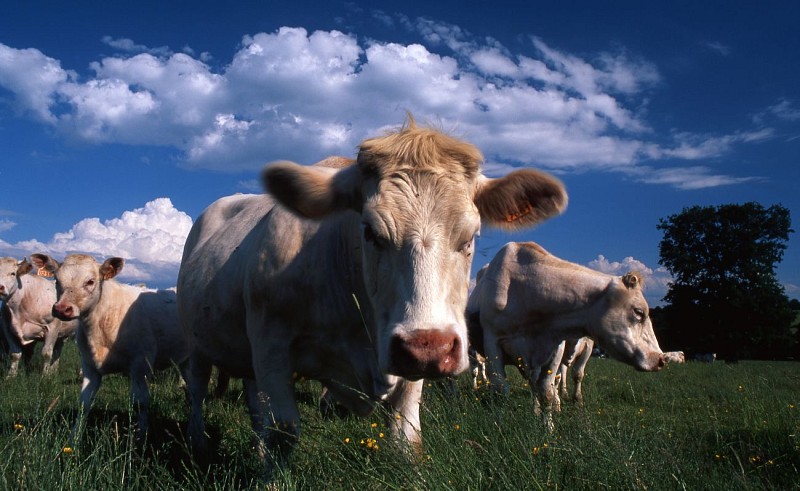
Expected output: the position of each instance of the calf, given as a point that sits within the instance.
(353, 273)
(27, 317)
(121, 328)
(529, 301)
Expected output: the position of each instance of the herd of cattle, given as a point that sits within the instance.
(351, 272)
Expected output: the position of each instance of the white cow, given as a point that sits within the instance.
(353, 273)
(27, 302)
(121, 328)
(674, 357)
(577, 353)
(529, 301)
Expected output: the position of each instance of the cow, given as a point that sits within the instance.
(350, 272)
(706, 357)
(674, 357)
(27, 315)
(529, 302)
(577, 353)
(121, 328)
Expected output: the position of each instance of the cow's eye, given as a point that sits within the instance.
(89, 283)
(639, 313)
(371, 237)
(466, 248)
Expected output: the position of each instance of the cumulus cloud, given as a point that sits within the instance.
(150, 239)
(304, 95)
(655, 281)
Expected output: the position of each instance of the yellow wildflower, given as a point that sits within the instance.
(347, 440)
(380, 435)
(535, 451)
(374, 425)
(18, 426)
(67, 450)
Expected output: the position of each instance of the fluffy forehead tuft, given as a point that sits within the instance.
(419, 149)
(78, 259)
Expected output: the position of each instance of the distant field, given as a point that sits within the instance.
(693, 426)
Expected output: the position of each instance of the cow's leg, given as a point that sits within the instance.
(494, 358)
(403, 416)
(92, 379)
(140, 394)
(197, 379)
(579, 372)
(57, 348)
(14, 353)
(50, 340)
(270, 343)
(542, 381)
(223, 381)
(256, 412)
(563, 389)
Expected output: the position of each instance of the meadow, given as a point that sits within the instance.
(693, 426)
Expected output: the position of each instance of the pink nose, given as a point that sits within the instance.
(425, 353)
(63, 312)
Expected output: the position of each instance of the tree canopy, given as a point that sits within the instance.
(725, 297)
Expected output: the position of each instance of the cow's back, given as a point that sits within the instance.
(211, 277)
(524, 279)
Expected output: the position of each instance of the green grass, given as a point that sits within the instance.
(692, 426)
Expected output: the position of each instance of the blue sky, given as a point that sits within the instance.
(120, 122)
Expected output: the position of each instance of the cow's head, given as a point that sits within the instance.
(79, 281)
(11, 272)
(626, 330)
(421, 198)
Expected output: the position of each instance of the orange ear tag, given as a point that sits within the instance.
(43, 272)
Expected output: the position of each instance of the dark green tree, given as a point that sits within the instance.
(725, 297)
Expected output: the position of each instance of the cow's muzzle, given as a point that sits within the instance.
(426, 353)
(64, 312)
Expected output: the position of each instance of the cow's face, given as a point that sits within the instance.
(78, 282)
(626, 329)
(417, 235)
(421, 199)
(8, 277)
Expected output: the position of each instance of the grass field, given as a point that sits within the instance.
(693, 426)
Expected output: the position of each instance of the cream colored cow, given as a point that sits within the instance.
(353, 273)
(26, 309)
(121, 328)
(528, 302)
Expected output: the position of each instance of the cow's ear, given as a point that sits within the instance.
(24, 267)
(111, 267)
(632, 280)
(314, 192)
(45, 265)
(521, 199)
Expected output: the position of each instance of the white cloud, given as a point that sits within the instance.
(150, 239)
(34, 79)
(291, 94)
(655, 281)
(687, 178)
(6, 224)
